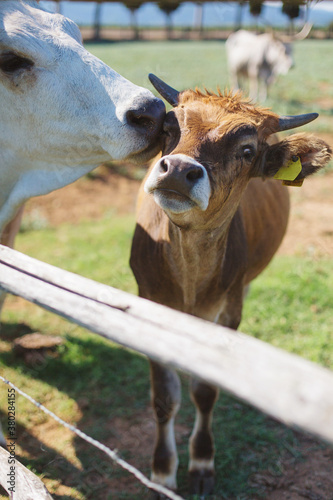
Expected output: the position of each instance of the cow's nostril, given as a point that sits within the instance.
(147, 117)
(164, 165)
(137, 118)
(194, 174)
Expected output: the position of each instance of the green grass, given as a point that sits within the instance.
(92, 382)
(182, 64)
(290, 307)
(187, 64)
(98, 250)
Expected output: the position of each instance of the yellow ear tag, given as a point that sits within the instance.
(289, 172)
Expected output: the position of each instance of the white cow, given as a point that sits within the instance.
(62, 111)
(260, 58)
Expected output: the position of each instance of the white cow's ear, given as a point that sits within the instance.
(296, 157)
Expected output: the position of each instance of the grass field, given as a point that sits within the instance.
(93, 384)
(183, 64)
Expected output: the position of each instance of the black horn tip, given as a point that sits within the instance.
(170, 95)
(152, 78)
(289, 122)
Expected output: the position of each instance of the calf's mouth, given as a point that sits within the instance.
(179, 183)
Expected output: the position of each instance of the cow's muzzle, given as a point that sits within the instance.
(179, 183)
(146, 116)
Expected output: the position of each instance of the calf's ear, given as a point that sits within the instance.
(313, 153)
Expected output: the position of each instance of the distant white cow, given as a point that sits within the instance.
(260, 58)
(62, 112)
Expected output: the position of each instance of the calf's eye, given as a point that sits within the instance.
(248, 152)
(10, 63)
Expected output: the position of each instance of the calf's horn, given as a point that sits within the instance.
(170, 95)
(289, 122)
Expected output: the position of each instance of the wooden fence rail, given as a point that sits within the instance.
(286, 387)
(27, 485)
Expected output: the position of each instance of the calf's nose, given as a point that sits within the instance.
(147, 116)
(175, 175)
(185, 171)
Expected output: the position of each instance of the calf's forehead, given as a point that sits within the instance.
(216, 118)
(28, 28)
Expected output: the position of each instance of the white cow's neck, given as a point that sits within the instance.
(33, 180)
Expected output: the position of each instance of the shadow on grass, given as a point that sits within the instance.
(12, 331)
(111, 387)
(46, 460)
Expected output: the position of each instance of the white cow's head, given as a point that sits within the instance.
(279, 56)
(63, 111)
(279, 52)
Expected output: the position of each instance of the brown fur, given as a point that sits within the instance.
(201, 262)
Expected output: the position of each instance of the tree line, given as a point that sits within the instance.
(292, 8)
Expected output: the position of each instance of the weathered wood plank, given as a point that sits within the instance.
(19, 482)
(283, 385)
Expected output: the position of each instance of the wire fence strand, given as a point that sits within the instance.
(111, 453)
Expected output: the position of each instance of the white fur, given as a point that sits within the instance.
(198, 197)
(194, 463)
(261, 58)
(169, 480)
(62, 117)
(201, 465)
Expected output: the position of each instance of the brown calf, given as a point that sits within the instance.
(210, 218)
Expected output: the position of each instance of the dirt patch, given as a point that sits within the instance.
(310, 229)
(311, 478)
(136, 436)
(88, 198)
(307, 476)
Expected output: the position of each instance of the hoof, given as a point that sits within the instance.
(201, 482)
(167, 481)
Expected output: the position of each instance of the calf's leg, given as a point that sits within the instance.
(204, 396)
(166, 397)
(201, 466)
